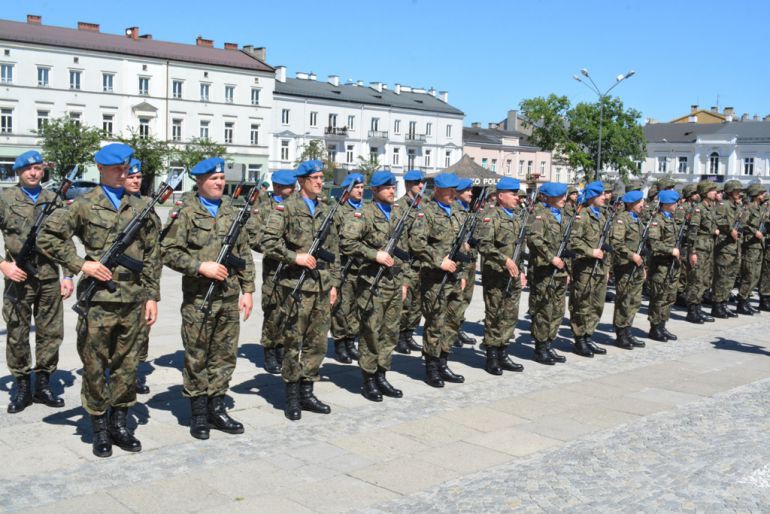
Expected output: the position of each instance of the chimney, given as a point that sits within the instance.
(360, 83)
(377, 86)
(729, 111)
(132, 33)
(145, 36)
(443, 96)
(766, 118)
(512, 120)
(34, 19)
(397, 89)
(312, 76)
(756, 117)
(280, 73)
(231, 46)
(302, 75)
(420, 90)
(258, 53)
(475, 124)
(432, 91)
(492, 125)
(714, 109)
(90, 27)
(200, 41)
(334, 80)
(693, 109)
(745, 116)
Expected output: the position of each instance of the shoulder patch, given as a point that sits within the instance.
(279, 207)
(174, 215)
(179, 203)
(357, 214)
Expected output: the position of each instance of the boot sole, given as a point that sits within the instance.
(103, 455)
(201, 437)
(372, 398)
(129, 449)
(229, 431)
(48, 404)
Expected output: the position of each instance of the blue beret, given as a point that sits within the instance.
(414, 176)
(210, 165)
(114, 154)
(382, 178)
(633, 196)
(446, 180)
(27, 159)
(668, 196)
(284, 178)
(508, 184)
(309, 167)
(352, 178)
(134, 167)
(593, 189)
(464, 184)
(553, 189)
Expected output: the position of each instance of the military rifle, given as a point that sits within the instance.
(564, 241)
(679, 240)
(520, 240)
(611, 212)
(643, 240)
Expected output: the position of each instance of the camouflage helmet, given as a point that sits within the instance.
(689, 189)
(704, 186)
(755, 190)
(634, 185)
(609, 187)
(652, 191)
(665, 183)
(733, 185)
(571, 189)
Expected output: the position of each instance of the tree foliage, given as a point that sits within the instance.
(153, 153)
(197, 149)
(315, 149)
(368, 165)
(67, 144)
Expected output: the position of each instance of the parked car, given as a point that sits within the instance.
(79, 188)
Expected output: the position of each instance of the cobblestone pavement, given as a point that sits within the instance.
(677, 426)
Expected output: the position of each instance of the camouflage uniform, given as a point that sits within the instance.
(752, 249)
(700, 240)
(457, 315)
(143, 344)
(727, 255)
(625, 236)
(764, 281)
(345, 324)
(411, 312)
(661, 242)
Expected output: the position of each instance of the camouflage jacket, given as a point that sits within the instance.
(702, 229)
(725, 215)
(497, 235)
(94, 220)
(585, 237)
(411, 270)
(17, 215)
(433, 234)
(752, 222)
(625, 236)
(661, 239)
(544, 236)
(290, 230)
(342, 217)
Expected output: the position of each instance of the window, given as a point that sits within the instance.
(42, 76)
(682, 168)
(107, 123)
(427, 158)
(484, 163)
(662, 164)
(313, 119)
(176, 89)
(449, 131)
(229, 94)
(529, 168)
(557, 175)
(255, 171)
(375, 126)
(748, 166)
(332, 150)
(255, 96)
(144, 86)
(714, 163)
(285, 149)
(205, 92)
(204, 133)
(6, 121)
(448, 159)
(285, 116)
(332, 120)
(176, 129)
(351, 122)
(108, 79)
(6, 73)
(428, 128)
(396, 156)
(144, 127)
(397, 127)
(521, 168)
(75, 117)
(410, 158)
(75, 79)
(229, 132)
(412, 128)
(349, 154)
(374, 153)
(494, 165)
(254, 134)
(508, 163)
(42, 119)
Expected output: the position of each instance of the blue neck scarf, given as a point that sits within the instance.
(464, 205)
(278, 199)
(354, 204)
(556, 213)
(385, 208)
(32, 194)
(508, 212)
(446, 208)
(211, 205)
(667, 214)
(114, 194)
(595, 211)
(634, 215)
(311, 204)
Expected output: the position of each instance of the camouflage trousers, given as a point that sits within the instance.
(143, 341)
(764, 281)
(501, 311)
(546, 303)
(345, 322)
(42, 301)
(727, 263)
(457, 316)
(751, 268)
(441, 329)
(663, 289)
(379, 323)
(107, 344)
(699, 276)
(628, 294)
(305, 326)
(411, 311)
(271, 311)
(210, 345)
(586, 297)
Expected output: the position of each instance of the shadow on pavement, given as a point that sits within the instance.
(171, 400)
(728, 344)
(269, 387)
(252, 352)
(75, 417)
(344, 376)
(171, 360)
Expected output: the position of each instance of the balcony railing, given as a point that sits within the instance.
(378, 134)
(415, 138)
(336, 131)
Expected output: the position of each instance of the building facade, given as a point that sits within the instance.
(123, 83)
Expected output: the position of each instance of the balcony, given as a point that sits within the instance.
(378, 136)
(331, 133)
(413, 139)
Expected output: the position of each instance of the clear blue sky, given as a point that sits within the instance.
(489, 55)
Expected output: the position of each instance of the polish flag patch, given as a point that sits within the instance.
(357, 214)
(420, 215)
(279, 207)
(487, 220)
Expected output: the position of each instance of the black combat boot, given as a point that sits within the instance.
(557, 357)
(671, 337)
(432, 376)
(541, 354)
(505, 362)
(308, 401)
(402, 346)
(23, 397)
(705, 317)
(764, 303)
(621, 341)
(634, 341)
(101, 443)
(141, 384)
(731, 313)
(199, 425)
(657, 333)
(492, 365)
(119, 432)
(718, 310)
(384, 386)
(743, 307)
(350, 344)
(272, 365)
(414, 345)
(279, 351)
(292, 410)
(369, 389)
(692, 314)
(598, 350)
(219, 418)
(465, 338)
(753, 309)
(341, 352)
(447, 374)
(582, 348)
(43, 393)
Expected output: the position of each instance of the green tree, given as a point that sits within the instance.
(68, 144)
(368, 165)
(153, 153)
(316, 150)
(194, 151)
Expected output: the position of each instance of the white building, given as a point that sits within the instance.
(132, 82)
(403, 127)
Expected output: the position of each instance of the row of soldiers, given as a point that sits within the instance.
(369, 271)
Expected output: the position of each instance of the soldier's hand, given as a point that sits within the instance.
(675, 252)
(598, 253)
(384, 258)
(637, 259)
(151, 312)
(66, 288)
(510, 265)
(693, 260)
(245, 304)
(213, 270)
(716, 232)
(557, 263)
(734, 234)
(463, 283)
(333, 295)
(448, 265)
(305, 260)
(13, 272)
(759, 235)
(523, 279)
(97, 270)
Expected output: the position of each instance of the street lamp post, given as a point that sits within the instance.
(593, 87)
